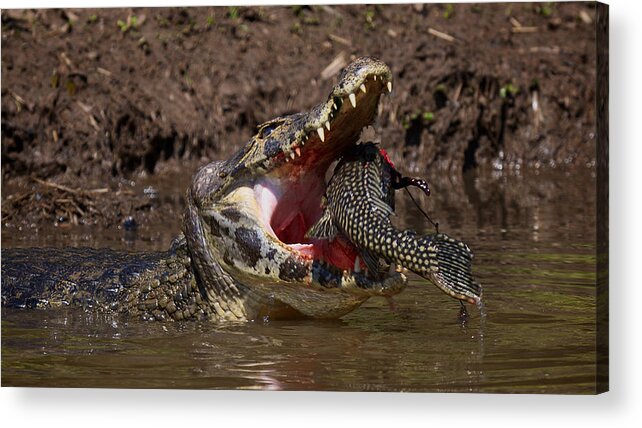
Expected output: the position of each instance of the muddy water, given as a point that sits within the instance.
(534, 241)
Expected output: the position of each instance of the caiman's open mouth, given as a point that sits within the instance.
(289, 193)
(248, 218)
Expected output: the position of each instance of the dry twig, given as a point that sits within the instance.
(103, 71)
(514, 22)
(524, 29)
(441, 35)
(69, 189)
(333, 68)
(340, 39)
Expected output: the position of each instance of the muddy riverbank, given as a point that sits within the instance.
(100, 104)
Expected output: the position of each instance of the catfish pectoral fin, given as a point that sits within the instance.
(324, 228)
(371, 261)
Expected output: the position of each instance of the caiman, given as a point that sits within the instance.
(242, 254)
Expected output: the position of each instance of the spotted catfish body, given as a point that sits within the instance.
(358, 205)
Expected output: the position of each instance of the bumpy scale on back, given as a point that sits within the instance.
(359, 202)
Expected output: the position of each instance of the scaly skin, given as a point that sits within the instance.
(241, 255)
(151, 285)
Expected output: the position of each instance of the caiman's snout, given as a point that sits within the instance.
(358, 73)
(293, 145)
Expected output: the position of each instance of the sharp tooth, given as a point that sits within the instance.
(292, 155)
(363, 88)
(297, 151)
(334, 106)
(389, 84)
(357, 265)
(321, 135)
(353, 100)
(375, 77)
(327, 125)
(303, 142)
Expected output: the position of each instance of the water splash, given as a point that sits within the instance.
(482, 326)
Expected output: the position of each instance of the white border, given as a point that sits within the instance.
(114, 408)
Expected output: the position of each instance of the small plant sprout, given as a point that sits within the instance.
(508, 90)
(125, 26)
(370, 17)
(428, 116)
(233, 12)
(449, 11)
(544, 9)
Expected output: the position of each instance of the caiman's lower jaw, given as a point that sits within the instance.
(289, 195)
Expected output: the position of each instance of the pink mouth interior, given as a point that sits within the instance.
(290, 197)
(289, 210)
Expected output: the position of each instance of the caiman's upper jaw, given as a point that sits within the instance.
(292, 145)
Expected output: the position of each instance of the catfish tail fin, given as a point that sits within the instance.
(450, 267)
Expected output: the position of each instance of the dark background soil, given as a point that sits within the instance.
(96, 101)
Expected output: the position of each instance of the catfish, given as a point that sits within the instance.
(358, 204)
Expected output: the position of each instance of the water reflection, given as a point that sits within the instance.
(534, 243)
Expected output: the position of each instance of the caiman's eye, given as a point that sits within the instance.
(266, 129)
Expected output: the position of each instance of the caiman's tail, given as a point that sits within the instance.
(448, 264)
